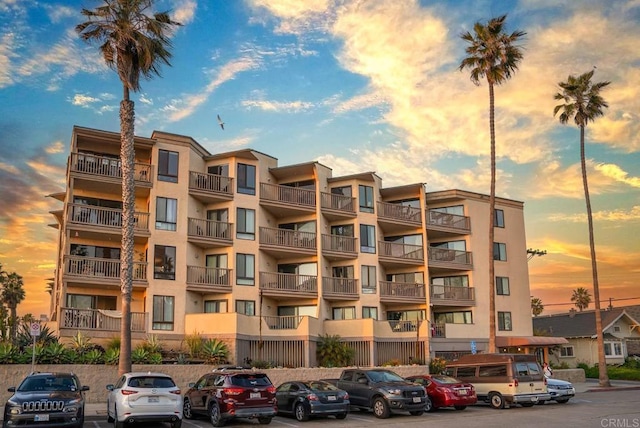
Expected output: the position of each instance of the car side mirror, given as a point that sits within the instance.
(11, 389)
(192, 384)
(110, 387)
(84, 388)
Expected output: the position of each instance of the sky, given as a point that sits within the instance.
(358, 85)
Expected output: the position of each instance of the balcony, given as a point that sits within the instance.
(95, 221)
(447, 295)
(337, 207)
(267, 327)
(287, 201)
(208, 279)
(357, 329)
(438, 330)
(209, 233)
(210, 188)
(442, 224)
(91, 270)
(100, 320)
(340, 288)
(288, 285)
(394, 254)
(287, 242)
(402, 292)
(104, 173)
(394, 218)
(338, 247)
(443, 258)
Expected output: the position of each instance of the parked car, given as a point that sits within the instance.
(227, 394)
(561, 391)
(144, 397)
(46, 399)
(304, 399)
(446, 391)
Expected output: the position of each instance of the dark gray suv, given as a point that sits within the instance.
(46, 399)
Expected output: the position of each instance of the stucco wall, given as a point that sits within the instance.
(98, 376)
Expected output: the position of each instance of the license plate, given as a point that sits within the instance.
(41, 418)
(254, 395)
(331, 398)
(417, 399)
(534, 399)
(462, 392)
(154, 399)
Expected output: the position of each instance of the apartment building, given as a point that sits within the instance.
(270, 258)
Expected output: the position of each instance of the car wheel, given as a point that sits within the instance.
(109, 417)
(496, 400)
(428, 405)
(341, 415)
(186, 409)
(562, 400)
(177, 424)
(116, 422)
(380, 408)
(301, 412)
(528, 404)
(80, 423)
(416, 412)
(215, 416)
(459, 407)
(265, 420)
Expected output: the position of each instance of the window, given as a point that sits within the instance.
(454, 209)
(246, 179)
(168, 166)
(164, 262)
(222, 170)
(246, 307)
(342, 271)
(366, 198)
(370, 312)
(499, 251)
(245, 265)
(492, 371)
(166, 213)
(344, 190)
(498, 218)
(367, 238)
(246, 224)
(215, 306)
(502, 286)
(368, 279)
(163, 312)
(613, 349)
(342, 230)
(461, 317)
(566, 351)
(466, 372)
(504, 321)
(345, 313)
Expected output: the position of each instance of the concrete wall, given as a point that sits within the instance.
(98, 376)
(570, 375)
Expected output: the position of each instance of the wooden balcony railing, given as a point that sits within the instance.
(398, 326)
(438, 330)
(339, 243)
(449, 256)
(449, 292)
(402, 289)
(339, 286)
(401, 251)
(97, 319)
(287, 238)
(289, 322)
(399, 212)
(107, 217)
(92, 267)
(107, 166)
(201, 275)
(289, 282)
(210, 183)
(450, 221)
(210, 229)
(335, 202)
(287, 194)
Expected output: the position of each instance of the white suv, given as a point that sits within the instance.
(144, 397)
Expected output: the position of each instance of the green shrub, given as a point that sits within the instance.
(333, 352)
(8, 353)
(194, 344)
(112, 356)
(261, 364)
(139, 355)
(113, 343)
(94, 356)
(437, 365)
(154, 358)
(56, 353)
(214, 351)
(152, 344)
(394, 362)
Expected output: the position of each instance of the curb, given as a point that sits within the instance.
(613, 388)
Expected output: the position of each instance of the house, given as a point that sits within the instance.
(579, 328)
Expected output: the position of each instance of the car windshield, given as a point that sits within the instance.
(320, 386)
(250, 380)
(151, 382)
(385, 376)
(48, 383)
(445, 379)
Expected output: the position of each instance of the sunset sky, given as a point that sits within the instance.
(369, 85)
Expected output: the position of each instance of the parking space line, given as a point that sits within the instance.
(284, 423)
(358, 419)
(185, 421)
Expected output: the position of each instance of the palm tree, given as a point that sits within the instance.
(494, 55)
(134, 43)
(581, 298)
(12, 294)
(536, 306)
(583, 103)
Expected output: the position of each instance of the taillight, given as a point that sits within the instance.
(312, 397)
(346, 396)
(127, 392)
(271, 389)
(233, 391)
(175, 391)
(515, 382)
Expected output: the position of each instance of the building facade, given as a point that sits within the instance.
(271, 258)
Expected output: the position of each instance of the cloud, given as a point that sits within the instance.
(56, 147)
(294, 16)
(184, 11)
(360, 102)
(83, 100)
(58, 12)
(277, 106)
(615, 216)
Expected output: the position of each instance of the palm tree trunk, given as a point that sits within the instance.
(602, 363)
(127, 160)
(492, 206)
(13, 323)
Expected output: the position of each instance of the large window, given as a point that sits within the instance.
(370, 312)
(613, 349)
(502, 286)
(498, 218)
(246, 179)
(451, 281)
(163, 307)
(342, 271)
(245, 268)
(246, 307)
(246, 224)
(460, 317)
(566, 351)
(215, 306)
(344, 313)
(367, 238)
(504, 321)
(499, 251)
(164, 262)
(166, 213)
(222, 170)
(365, 194)
(168, 166)
(368, 279)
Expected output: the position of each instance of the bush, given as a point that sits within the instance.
(333, 352)
(112, 356)
(214, 351)
(437, 365)
(393, 363)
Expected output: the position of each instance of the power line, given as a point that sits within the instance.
(601, 301)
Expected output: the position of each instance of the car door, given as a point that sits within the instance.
(200, 392)
(284, 395)
(360, 388)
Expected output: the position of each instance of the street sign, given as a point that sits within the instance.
(474, 349)
(35, 328)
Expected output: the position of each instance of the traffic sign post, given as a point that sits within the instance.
(474, 349)
(35, 332)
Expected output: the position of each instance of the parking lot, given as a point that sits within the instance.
(607, 409)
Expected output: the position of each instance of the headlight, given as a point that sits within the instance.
(394, 391)
(14, 410)
(71, 409)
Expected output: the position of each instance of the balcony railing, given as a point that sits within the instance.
(91, 267)
(219, 230)
(107, 217)
(402, 290)
(287, 194)
(398, 326)
(288, 282)
(401, 251)
(339, 243)
(209, 276)
(447, 256)
(287, 238)
(98, 319)
(107, 166)
(339, 287)
(289, 322)
(449, 292)
(399, 212)
(438, 330)
(210, 183)
(449, 221)
(335, 202)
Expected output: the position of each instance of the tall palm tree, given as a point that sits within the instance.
(134, 42)
(583, 103)
(581, 298)
(536, 306)
(492, 55)
(12, 294)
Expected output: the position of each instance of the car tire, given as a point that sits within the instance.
(380, 408)
(116, 422)
(496, 400)
(562, 400)
(215, 416)
(187, 413)
(416, 412)
(341, 415)
(109, 417)
(265, 420)
(459, 407)
(300, 412)
(177, 424)
(527, 404)
(428, 405)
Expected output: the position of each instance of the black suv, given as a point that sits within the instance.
(226, 394)
(46, 399)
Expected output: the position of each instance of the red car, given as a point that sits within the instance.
(446, 391)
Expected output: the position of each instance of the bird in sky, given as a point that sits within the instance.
(221, 122)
